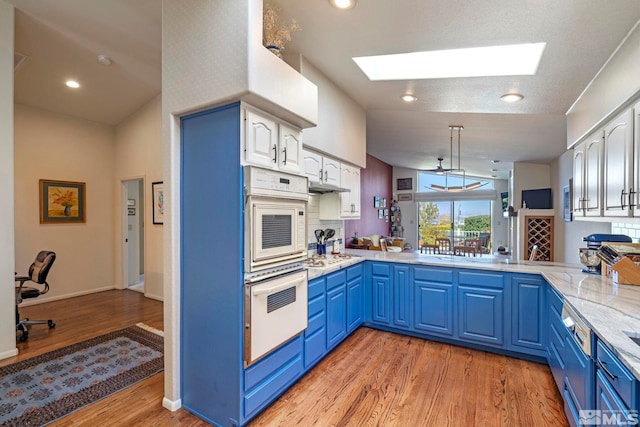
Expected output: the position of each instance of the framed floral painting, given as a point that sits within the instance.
(157, 192)
(62, 201)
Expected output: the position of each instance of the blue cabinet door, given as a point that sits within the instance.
(315, 340)
(578, 381)
(401, 297)
(355, 304)
(528, 320)
(336, 315)
(480, 317)
(434, 307)
(380, 293)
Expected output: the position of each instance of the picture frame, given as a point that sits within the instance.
(376, 201)
(405, 197)
(157, 197)
(405, 184)
(380, 213)
(383, 203)
(62, 202)
(131, 211)
(567, 211)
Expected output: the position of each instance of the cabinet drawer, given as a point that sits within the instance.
(555, 300)
(316, 306)
(272, 363)
(378, 269)
(624, 382)
(315, 288)
(316, 322)
(481, 279)
(336, 279)
(354, 272)
(314, 348)
(607, 400)
(433, 275)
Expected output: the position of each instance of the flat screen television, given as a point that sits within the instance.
(537, 199)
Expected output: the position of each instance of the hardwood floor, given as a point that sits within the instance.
(374, 378)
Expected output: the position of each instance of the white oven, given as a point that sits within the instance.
(275, 218)
(275, 311)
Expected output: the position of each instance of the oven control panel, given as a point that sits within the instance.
(268, 182)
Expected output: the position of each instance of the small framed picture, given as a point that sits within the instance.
(386, 218)
(157, 192)
(131, 211)
(405, 197)
(383, 203)
(376, 201)
(62, 201)
(405, 184)
(380, 213)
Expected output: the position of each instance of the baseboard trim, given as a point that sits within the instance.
(42, 300)
(172, 405)
(9, 353)
(155, 297)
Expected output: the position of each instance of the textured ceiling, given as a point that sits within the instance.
(62, 39)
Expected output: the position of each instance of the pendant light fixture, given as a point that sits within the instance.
(451, 170)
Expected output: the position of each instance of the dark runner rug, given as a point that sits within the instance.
(39, 390)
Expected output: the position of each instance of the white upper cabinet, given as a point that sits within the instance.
(578, 180)
(634, 191)
(320, 169)
(592, 202)
(618, 165)
(350, 201)
(271, 144)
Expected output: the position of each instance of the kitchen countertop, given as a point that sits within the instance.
(610, 310)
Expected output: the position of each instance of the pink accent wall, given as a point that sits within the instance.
(375, 180)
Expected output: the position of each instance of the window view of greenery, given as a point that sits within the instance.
(472, 220)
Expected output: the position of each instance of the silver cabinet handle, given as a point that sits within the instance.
(320, 175)
(602, 365)
(275, 153)
(631, 193)
(284, 150)
(326, 176)
(622, 194)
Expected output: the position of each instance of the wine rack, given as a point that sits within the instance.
(539, 231)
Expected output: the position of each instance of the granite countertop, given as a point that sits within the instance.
(610, 309)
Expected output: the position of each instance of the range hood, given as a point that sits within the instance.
(322, 188)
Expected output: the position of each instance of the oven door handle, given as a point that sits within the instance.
(275, 288)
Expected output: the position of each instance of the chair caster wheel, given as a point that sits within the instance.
(23, 337)
(51, 324)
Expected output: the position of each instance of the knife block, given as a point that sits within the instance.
(625, 272)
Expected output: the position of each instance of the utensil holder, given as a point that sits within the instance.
(626, 272)
(321, 248)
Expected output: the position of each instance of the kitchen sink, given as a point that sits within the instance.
(635, 337)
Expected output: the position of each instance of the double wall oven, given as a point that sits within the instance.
(275, 289)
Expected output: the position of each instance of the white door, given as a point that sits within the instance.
(261, 141)
(618, 146)
(312, 166)
(133, 253)
(290, 146)
(331, 171)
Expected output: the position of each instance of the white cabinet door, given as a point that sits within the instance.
(618, 163)
(261, 141)
(290, 149)
(578, 180)
(312, 166)
(331, 171)
(592, 202)
(355, 192)
(350, 201)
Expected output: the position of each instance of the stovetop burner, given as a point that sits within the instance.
(321, 261)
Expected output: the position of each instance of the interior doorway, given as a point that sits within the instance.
(133, 234)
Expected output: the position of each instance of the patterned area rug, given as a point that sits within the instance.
(39, 390)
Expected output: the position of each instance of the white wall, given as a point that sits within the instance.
(342, 127)
(138, 154)
(60, 147)
(7, 260)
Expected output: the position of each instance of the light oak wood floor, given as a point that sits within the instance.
(374, 378)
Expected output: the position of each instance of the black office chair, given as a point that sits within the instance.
(37, 274)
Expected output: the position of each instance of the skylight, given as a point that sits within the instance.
(509, 60)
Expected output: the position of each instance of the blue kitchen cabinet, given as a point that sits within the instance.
(528, 319)
(481, 307)
(578, 381)
(556, 333)
(315, 336)
(401, 297)
(617, 390)
(336, 308)
(434, 300)
(355, 297)
(380, 284)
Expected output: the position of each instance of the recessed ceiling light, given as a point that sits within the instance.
(409, 98)
(343, 4)
(509, 60)
(72, 84)
(512, 97)
(104, 60)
